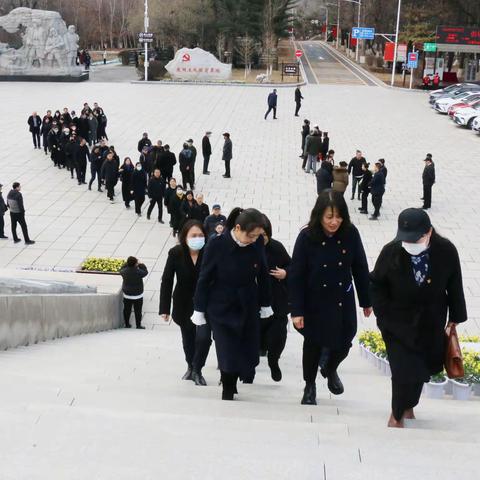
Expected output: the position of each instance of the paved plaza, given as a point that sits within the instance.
(112, 405)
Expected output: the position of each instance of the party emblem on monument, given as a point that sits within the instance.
(49, 48)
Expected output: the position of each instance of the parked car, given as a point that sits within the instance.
(476, 124)
(466, 116)
(444, 103)
(458, 88)
(468, 102)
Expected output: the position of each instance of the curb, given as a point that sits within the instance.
(219, 84)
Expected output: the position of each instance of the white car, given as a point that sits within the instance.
(476, 124)
(466, 116)
(443, 104)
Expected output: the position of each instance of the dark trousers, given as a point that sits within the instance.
(227, 168)
(138, 204)
(110, 185)
(315, 356)
(20, 219)
(274, 112)
(95, 173)
(273, 336)
(2, 225)
(206, 160)
(36, 139)
(404, 397)
(377, 203)
(365, 201)
(356, 181)
(137, 308)
(45, 142)
(196, 343)
(187, 178)
(80, 171)
(297, 108)
(427, 196)
(159, 202)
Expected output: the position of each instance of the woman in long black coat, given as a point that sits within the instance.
(175, 208)
(417, 279)
(138, 187)
(183, 262)
(274, 329)
(327, 254)
(324, 177)
(233, 293)
(126, 172)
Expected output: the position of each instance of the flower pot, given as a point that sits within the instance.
(461, 391)
(435, 390)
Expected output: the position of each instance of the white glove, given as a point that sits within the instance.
(198, 318)
(266, 312)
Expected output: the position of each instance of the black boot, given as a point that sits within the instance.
(275, 370)
(198, 378)
(309, 394)
(229, 383)
(334, 383)
(188, 374)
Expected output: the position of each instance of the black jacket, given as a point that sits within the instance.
(15, 202)
(213, 220)
(206, 146)
(298, 95)
(366, 180)
(186, 160)
(189, 211)
(133, 279)
(46, 127)
(156, 188)
(377, 185)
(180, 265)
(428, 176)
(3, 205)
(144, 142)
(272, 100)
(355, 166)
(30, 123)
(165, 162)
(415, 316)
(277, 256)
(202, 212)
(139, 183)
(324, 177)
(109, 171)
(227, 153)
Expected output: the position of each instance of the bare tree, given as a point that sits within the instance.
(245, 47)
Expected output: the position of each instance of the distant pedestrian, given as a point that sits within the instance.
(365, 187)
(428, 179)
(104, 57)
(325, 145)
(156, 192)
(426, 82)
(377, 189)
(436, 81)
(206, 152)
(355, 168)
(202, 208)
(324, 177)
(340, 177)
(305, 133)
(144, 142)
(35, 124)
(298, 100)
(166, 162)
(45, 130)
(227, 154)
(185, 159)
(138, 187)
(109, 173)
(313, 147)
(126, 173)
(194, 158)
(175, 209)
(17, 214)
(133, 274)
(272, 104)
(384, 169)
(3, 209)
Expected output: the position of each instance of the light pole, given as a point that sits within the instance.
(145, 24)
(326, 22)
(359, 3)
(396, 43)
(338, 24)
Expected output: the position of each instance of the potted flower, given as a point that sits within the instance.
(109, 266)
(435, 388)
(471, 360)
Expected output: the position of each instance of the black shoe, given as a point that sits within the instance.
(334, 384)
(148, 217)
(89, 187)
(275, 371)
(226, 176)
(373, 217)
(227, 392)
(3, 236)
(100, 190)
(140, 327)
(127, 325)
(365, 212)
(297, 115)
(309, 394)
(262, 353)
(17, 240)
(206, 173)
(198, 379)
(29, 242)
(425, 208)
(161, 221)
(188, 374)
(353, 198)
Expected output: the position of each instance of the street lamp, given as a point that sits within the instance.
(359, 3)
(396, 43)
(326, 22)
(146, 24)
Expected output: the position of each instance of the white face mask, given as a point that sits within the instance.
(139, 167)
(415, 249)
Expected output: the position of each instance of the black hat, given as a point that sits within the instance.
(216, 206)
(413, 223)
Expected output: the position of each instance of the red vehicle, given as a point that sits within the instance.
(470, 101)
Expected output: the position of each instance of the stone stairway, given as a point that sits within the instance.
(112, 406)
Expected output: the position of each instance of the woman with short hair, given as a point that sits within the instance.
(328, 255)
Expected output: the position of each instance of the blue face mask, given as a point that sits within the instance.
(196, 243)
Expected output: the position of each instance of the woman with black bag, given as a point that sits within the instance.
(417, 279)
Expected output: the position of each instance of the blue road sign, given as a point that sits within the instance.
(362, 33)
(412, 60)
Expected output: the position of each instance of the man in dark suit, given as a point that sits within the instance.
(298, 100)
(17, 214)
(272, 104)
(35, 123)
(428, 179)
(227, 154)
(206, 151)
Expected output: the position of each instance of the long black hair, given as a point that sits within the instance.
(248, 219)
(182, 236)
(333, 200)
(232, 217)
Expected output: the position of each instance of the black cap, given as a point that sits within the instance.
(413, 223)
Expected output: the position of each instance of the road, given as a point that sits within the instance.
(325, 66)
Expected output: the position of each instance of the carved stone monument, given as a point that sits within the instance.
(48, 51)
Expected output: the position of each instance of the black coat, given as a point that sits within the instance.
(126, 178)
(277, 256)
(324, 177)
(109, 171)
(165, 162)
(366, 180)
(213, 220)
(377, 185)
(206, 146)
(355, 166)
(298, 96)
(83, 155)
(3, 206)
(202, 212)
(186, 160)
(46, 127)
(227, 153)
(189, 210)
(139, 184)
(232, 286)
(180, 265)
(428, 176)
(272, 100)
(156, 188)
(30, 123)
(175, 210)
(133, 279)
(320, 286)
(143, 142)
(412, 318)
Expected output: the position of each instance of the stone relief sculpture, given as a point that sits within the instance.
(48, 47)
